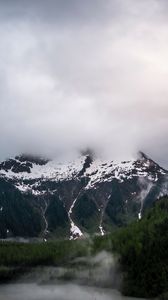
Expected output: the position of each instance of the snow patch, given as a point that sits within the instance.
(53, 170)
(75, 232)
(101, 230)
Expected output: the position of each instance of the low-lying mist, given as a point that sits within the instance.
(58, 292)
(84, 278)
(101, 270)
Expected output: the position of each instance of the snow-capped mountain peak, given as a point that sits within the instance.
(24, 167)
(78, 195)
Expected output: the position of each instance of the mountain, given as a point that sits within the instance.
(47, 199)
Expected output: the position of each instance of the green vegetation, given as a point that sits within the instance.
(18, 258)
(143, 252)
(141, 248)
(58, 221)
(34, 254)
(86, 214)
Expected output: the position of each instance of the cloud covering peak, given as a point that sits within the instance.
(77, 74)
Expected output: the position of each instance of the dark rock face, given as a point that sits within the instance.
(18, 216)
(22, 163)
(25, 158)
(47, 199)
(16, 166)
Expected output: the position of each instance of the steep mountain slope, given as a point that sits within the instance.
(45, 198)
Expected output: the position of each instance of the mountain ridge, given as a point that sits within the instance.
(83, 196)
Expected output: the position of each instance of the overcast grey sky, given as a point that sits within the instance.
(76, 74)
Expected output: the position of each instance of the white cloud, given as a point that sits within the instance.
(98, 81)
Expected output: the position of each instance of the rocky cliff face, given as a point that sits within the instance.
(45, 198)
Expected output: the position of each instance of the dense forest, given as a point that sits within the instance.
(143, 252)
(140, 248)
